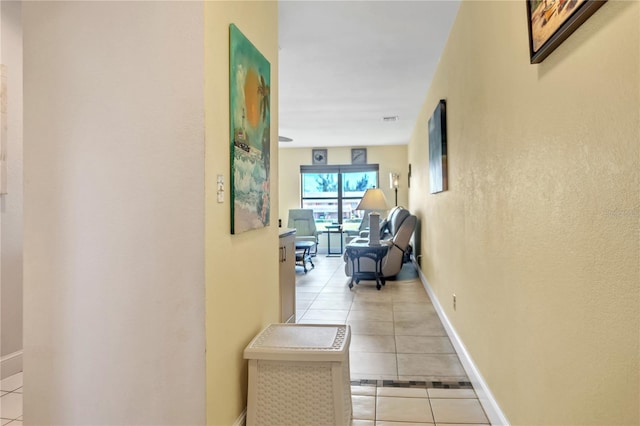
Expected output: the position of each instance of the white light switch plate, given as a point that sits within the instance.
(220, 192)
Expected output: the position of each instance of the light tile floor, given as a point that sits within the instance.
(396, 336)
(11, 400)
(404, 370)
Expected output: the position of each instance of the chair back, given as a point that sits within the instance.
(302, 220)
(395, 218)
(394, 259)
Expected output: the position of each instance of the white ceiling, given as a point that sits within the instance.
(344, 65)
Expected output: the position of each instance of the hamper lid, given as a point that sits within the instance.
(300, 342)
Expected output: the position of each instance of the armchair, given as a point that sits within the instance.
(304, 223)
(390, 225)
(392, 262)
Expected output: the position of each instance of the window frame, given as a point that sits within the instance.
(338, 169)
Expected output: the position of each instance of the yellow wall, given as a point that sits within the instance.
(390, 158)
(241, 270)
(538, 233)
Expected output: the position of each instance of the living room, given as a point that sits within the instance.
(390, 159)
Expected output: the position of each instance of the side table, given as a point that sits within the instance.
(357, 251)
(334, 229)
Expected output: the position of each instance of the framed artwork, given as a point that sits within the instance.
(359, 156)
(552, 21)
(319, 156)
(249, 111)
(438, 149)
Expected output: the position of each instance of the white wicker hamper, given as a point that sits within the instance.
(299, 375)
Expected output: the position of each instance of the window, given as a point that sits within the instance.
(333, 192)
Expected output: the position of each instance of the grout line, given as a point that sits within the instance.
(393, 317)
(433, 415)
(375, 407)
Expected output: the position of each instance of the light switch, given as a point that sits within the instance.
(220, 192)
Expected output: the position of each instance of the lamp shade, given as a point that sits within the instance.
(373, 199)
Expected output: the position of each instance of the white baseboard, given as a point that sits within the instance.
(242, 419)
(489, 403)
(10, 364)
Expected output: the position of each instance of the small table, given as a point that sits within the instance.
(356, 251)
(303, 254)
(333, 229)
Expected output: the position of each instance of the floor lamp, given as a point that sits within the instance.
(375, 200)
(394, 182)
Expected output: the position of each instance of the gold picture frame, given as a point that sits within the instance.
(552, 21)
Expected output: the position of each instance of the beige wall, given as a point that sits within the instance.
(538, 233)
(390, 158)
(242, 269)
(114, 213)
(11, 203)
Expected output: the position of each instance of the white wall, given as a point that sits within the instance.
(11, 203)
(114, 213)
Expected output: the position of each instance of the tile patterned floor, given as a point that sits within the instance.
(11, 400)
(404, 369)
(415, 406)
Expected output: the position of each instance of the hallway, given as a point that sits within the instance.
(403, 365)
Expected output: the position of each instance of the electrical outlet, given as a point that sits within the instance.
(454, 301)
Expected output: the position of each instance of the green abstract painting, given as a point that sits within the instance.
(249, 98)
